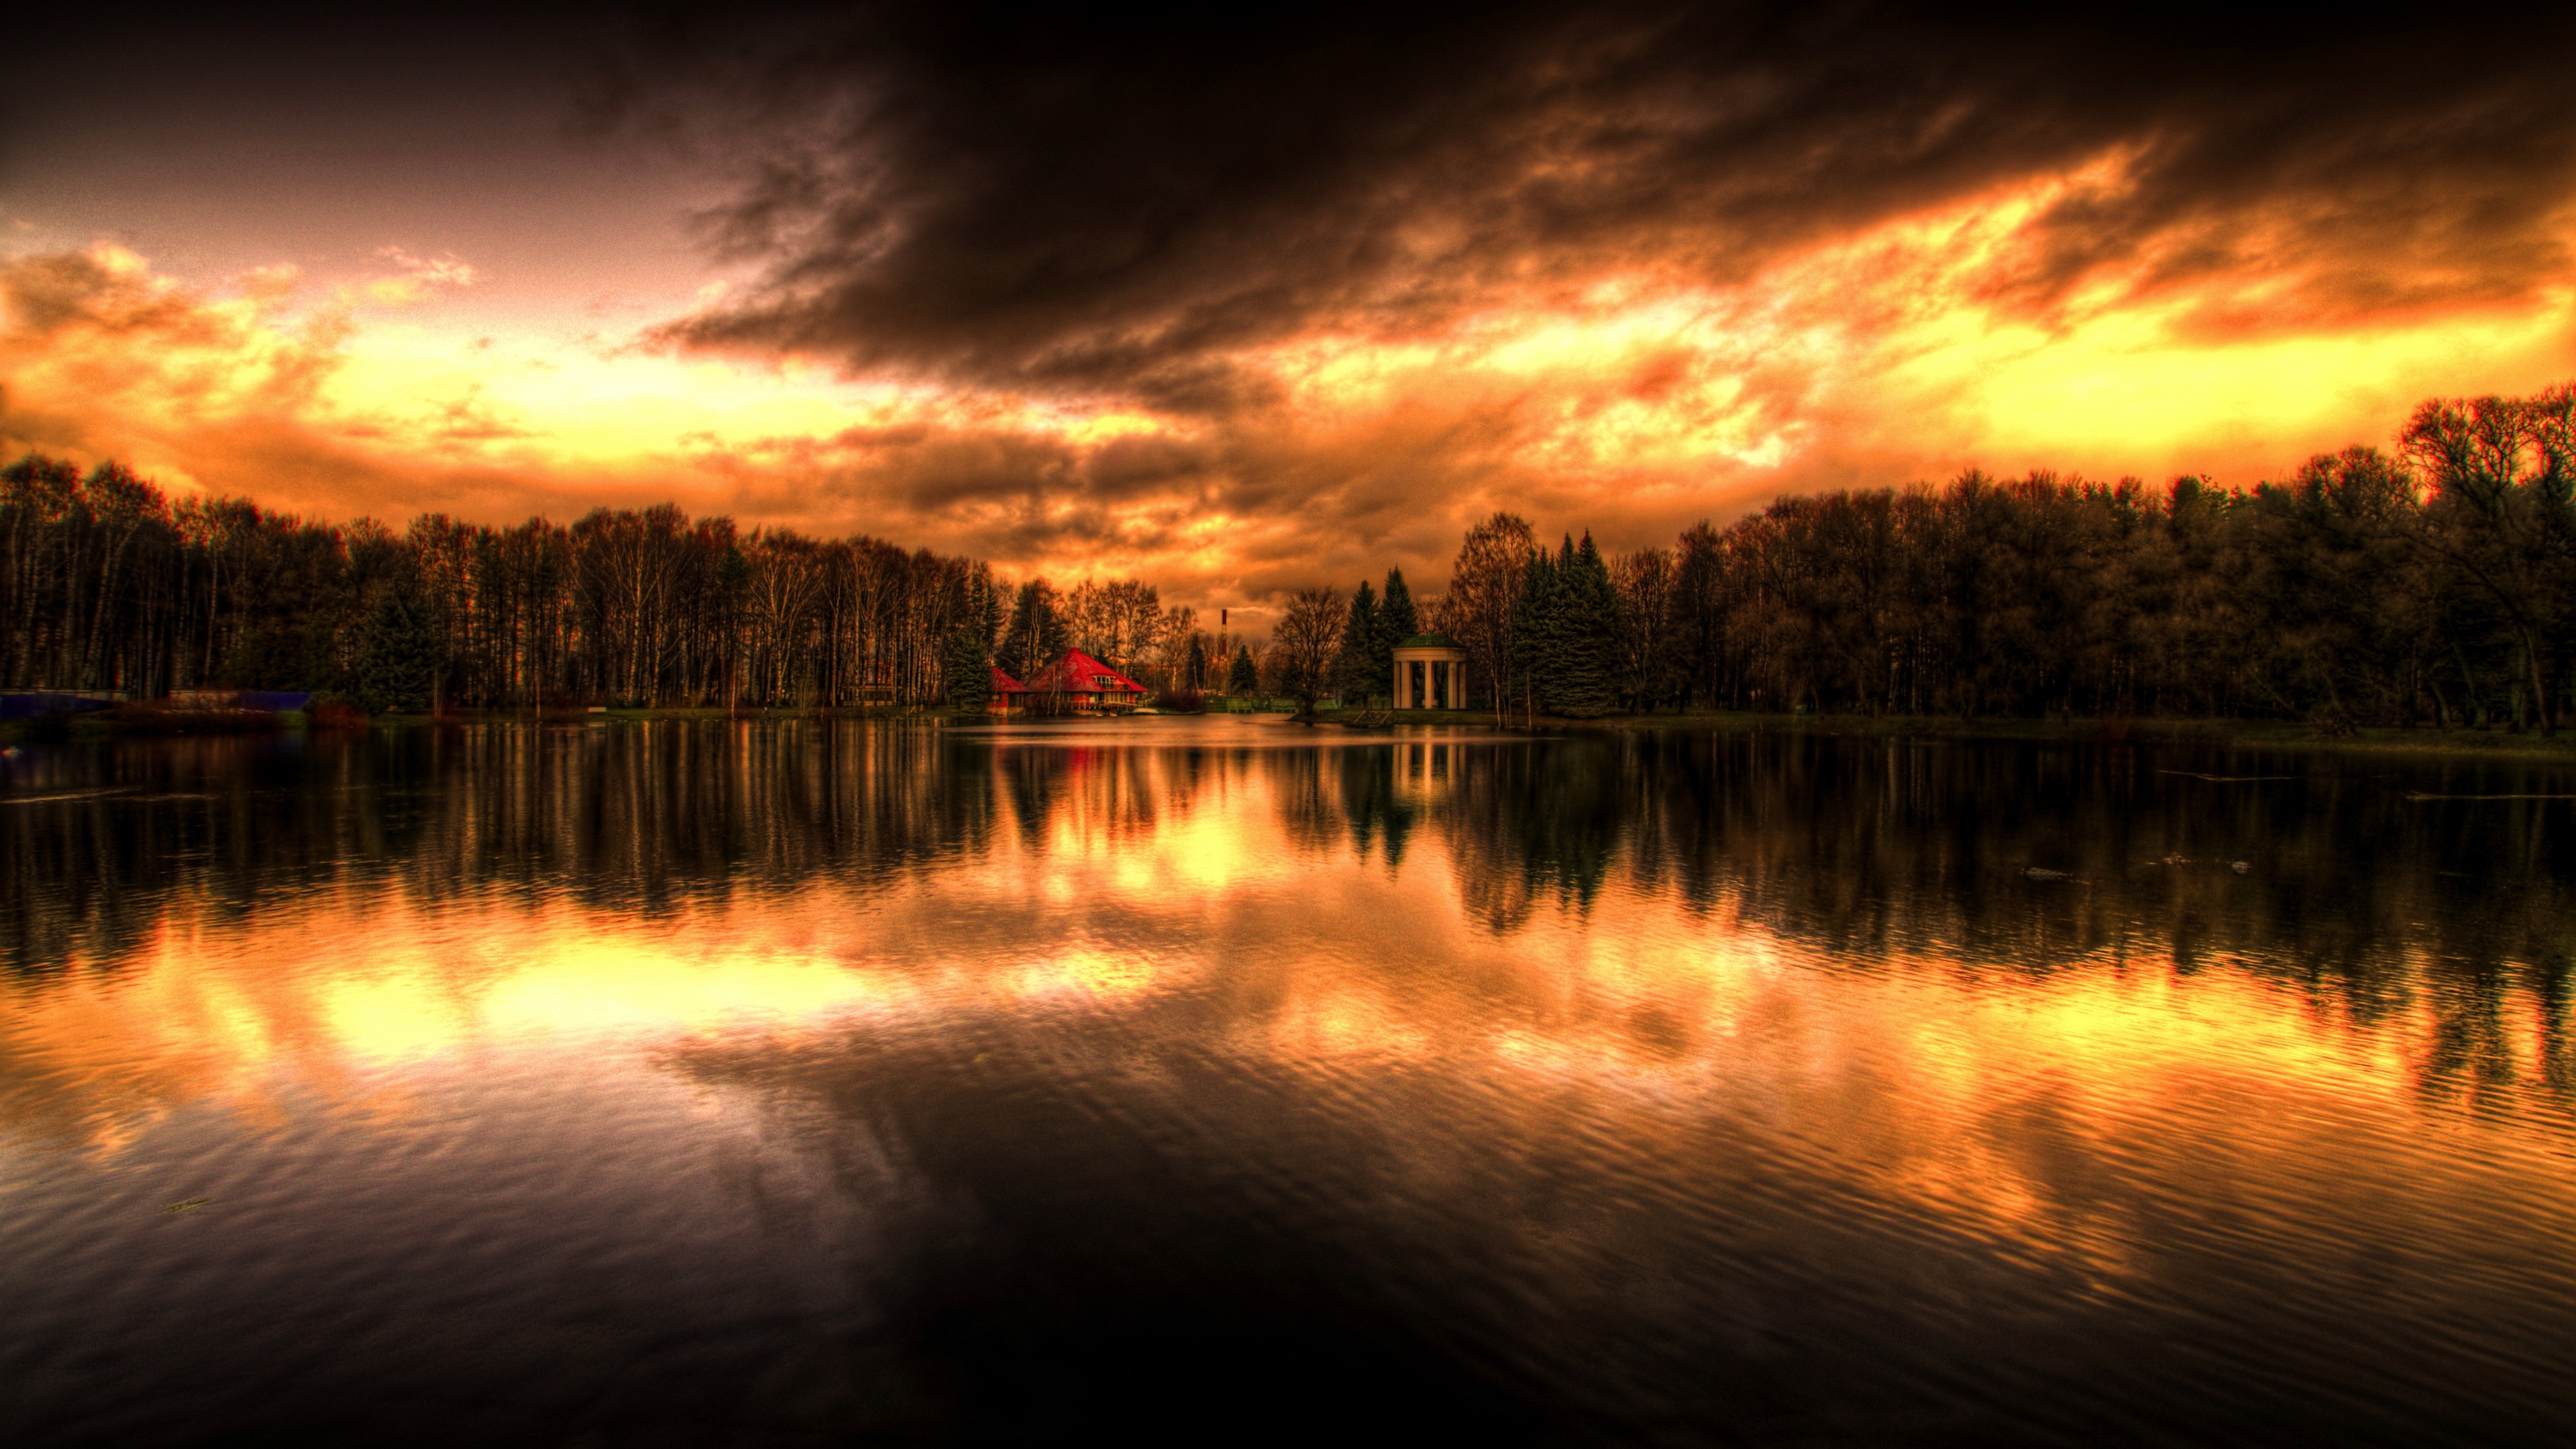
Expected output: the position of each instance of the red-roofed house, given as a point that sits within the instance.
(1008, 694)
(1083, 685)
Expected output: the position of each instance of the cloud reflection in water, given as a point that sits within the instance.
(1592, 1024)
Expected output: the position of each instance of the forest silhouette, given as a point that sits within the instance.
(2434, 583)
(2430, 585)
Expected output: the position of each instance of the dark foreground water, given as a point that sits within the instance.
(1219, 1080)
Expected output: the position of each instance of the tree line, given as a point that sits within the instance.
(2431, 584)
(1122, 623)
(106, 584)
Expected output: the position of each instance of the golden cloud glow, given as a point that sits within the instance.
(1906, 344)
(1633, 403)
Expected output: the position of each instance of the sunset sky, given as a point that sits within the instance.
(1241, 305)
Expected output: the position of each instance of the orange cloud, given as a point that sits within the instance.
(1634, 403)
(415, 280)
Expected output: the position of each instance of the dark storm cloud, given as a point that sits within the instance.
(1309, 502)
(1063, 220)
(1054, 199)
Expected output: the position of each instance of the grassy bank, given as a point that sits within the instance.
(2222, 733)
(133, 721)
(2274, 735)
(1352, 718)
(2270, 735)
(100, 724)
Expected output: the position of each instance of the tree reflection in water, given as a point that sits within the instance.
(2371, 902)
(981, 1082)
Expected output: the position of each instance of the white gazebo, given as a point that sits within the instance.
(1430, 673)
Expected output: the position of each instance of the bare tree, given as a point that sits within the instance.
(1114, 622)
(1644, 579)
(2503, 472)
(1303, 647)
(1134, 610)
(1172, 634)
(1484, 590)
(784, 585)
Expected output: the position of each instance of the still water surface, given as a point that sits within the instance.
(1225, 1080)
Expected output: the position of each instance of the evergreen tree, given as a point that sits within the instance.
(1533, 633)
(970, 648)
(1565, 631)
(1355, 675)
(1585, 634)
(1395, 612)
(397, 654)
(970, 672)
(1242, 679)
(1194, 665)
(1396, 622)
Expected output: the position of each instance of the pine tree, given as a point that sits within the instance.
(1396, 622)
(1565, 629)
(1395, 614)
(1194, 665)
(1584, 635)
(1242, 679)
(1533, 633)
(397, 654)
(1355, 672)
(970, 648)
(970, 672)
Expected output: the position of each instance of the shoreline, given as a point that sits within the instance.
(2220, 733)
(2490, 743)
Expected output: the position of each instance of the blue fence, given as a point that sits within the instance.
(29, 704)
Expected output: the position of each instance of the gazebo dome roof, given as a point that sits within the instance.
(1427, 641)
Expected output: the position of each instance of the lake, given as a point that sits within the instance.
(1226, 1079)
